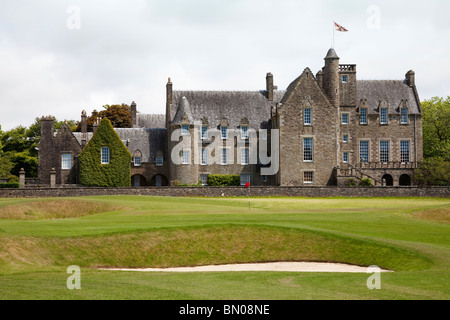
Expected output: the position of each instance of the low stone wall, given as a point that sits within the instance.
(441, 192)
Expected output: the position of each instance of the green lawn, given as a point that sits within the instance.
(40, 238)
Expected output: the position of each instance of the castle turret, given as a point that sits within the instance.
(331, 77)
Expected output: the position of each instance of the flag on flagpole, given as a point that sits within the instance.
(339, 27)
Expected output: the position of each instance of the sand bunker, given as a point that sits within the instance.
(271, 266)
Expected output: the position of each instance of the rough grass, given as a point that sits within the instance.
(435, 214)
(53, 209)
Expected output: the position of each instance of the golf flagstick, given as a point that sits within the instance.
(247, 185)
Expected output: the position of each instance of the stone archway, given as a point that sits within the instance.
(405, 180)
(159, 180)
(387, 180)
(138, 180)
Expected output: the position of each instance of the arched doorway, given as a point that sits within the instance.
(405, 180)
(159, 180)
(138, 180)
(387, 180)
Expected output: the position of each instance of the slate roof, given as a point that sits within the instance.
(392, 91)
(150, 120)
(232, 105)
(147, 140)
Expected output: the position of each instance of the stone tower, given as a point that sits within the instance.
(331, 77)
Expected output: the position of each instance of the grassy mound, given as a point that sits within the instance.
(53, 209)
(194, 246)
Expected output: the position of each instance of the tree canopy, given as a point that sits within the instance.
(118, 114)
(436, 127)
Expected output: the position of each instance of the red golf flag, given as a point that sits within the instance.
(247, 184)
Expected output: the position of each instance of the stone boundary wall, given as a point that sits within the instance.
(440, 192)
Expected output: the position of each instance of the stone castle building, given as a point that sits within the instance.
(325, 128)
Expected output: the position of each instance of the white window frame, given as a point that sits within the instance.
(345, 138)
(385, 153)
(138, 161)
(402, 151)
(204, 179)
(224, 132)
(66, 161)
(185, 157)
(204, 156)
(404, 116)
(363, 115)
(244, 156)
(224, 154)
(307, 116)
(308, 157)
(185, 129)
(105, 158)
(308, 180)
(204, 132)
(347, 117)
(244, 132)
(384, 116)
(345, 157)
(368, 150)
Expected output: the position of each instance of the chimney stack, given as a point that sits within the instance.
(83, 129)
(269, 86)
(133, 114)
(410, 78)
(169, 101)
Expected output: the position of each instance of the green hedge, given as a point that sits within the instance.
(115, 174)
(9, 185)
(224, 180)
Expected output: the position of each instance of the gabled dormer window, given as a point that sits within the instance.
(204, 132)
(185, 129)
(244, 132)
(363, 116)
(224, 131)
(383, 115)
(404, 116)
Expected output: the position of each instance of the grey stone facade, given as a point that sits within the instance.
(332, 127)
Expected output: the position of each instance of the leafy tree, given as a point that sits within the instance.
(436, 128)
(19, 148)
(433, 172)
(118, 115)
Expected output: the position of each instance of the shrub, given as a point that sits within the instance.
(365, 182)
(224, 180)
(13, 179)
(351, 182)
(9, 185)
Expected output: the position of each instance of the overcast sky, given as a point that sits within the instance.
(59, 57)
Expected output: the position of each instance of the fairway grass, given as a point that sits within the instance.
(40, 238)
